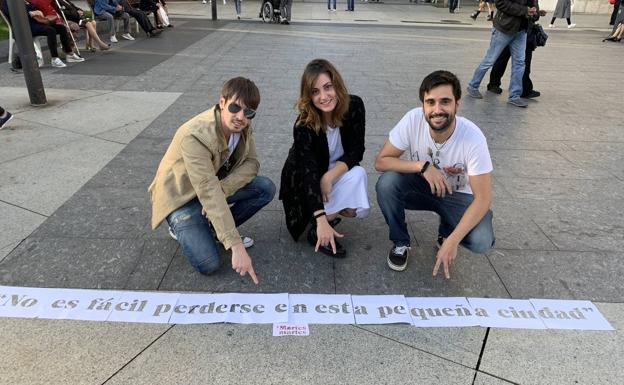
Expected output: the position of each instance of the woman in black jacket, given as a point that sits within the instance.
(321, 178)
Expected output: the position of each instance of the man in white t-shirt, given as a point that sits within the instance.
(447, 169)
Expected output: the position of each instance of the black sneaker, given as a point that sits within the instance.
(397, 257)
(327, 250)
(495, 89)
(474, 16)
(532, 94)
(4, 120)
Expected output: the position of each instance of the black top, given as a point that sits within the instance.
(308, 160)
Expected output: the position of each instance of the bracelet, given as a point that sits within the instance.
(424, 167)
(317, 216)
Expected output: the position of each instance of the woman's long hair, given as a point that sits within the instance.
(309, 115)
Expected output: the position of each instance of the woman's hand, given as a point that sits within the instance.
(325, 234)
(326, 186)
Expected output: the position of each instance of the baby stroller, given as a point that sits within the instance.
(270, 11)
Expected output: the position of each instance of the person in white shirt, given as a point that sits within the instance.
(447, 171)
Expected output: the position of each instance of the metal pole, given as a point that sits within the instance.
(213, 6)
(24, 40)
(69, 29)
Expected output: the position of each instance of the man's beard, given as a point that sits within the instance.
(442, 127)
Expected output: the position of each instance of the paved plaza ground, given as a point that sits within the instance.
(75, 208)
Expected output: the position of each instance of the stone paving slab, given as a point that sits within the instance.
(232, 354)
(560, 274)
(558, 356)
(16, 225)
(44, 190)
(69, 352)
(460, 345)
(72, 263)
(484, 379)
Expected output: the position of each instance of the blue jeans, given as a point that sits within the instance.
(328, 2)
(498, 42)
(237, 5)
(350, 5)
(195, 233)
(397, 192)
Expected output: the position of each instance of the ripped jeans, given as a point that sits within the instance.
(195, 233)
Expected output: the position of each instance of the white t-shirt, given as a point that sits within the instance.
(334, 143)
(465, 151)
(233, 142)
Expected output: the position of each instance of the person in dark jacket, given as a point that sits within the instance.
(510, 26)
(498, 69)
(321, 178)
(141, 18)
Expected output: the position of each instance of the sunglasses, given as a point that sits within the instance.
(235, 108)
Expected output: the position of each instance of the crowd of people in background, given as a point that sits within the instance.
(62, 18)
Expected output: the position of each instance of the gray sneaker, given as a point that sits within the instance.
(518, 102)
(474, 93)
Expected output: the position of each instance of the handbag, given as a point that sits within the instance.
(540, 35)
(162, 15)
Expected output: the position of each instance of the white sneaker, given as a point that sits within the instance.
(247, 241)
(203, 1)
(551, 26)
(224, 2)
(127, 36)
(74, 58)
(571, 25)
(113, 39)
(58, 63)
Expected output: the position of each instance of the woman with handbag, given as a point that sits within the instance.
(321, 177)
(563, 9)
(76, 19)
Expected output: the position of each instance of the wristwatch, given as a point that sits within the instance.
(424, 167)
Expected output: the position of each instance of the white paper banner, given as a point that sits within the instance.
(320, 309)
(297, 309)
(429, 312)
(257, 308)
(143, 307)
(21, 302)
(579, 315)
(201, 309)
(506, 313)
(380, 309)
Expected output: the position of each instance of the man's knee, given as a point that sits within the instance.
(265, 187)
(207, 266)
(481, 238)
(387, 184)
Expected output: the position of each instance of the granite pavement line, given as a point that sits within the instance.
(76, 210)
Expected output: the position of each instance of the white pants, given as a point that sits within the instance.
(350, 191)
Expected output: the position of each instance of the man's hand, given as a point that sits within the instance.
(118, 7)
(326, 186)
(241, 262)
(542, 12)
(438, 183)
(36, 13)
(325, 235)
(445, 257)
(80, 13)
(532, 11)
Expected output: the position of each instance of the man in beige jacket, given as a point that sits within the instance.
(207, 183)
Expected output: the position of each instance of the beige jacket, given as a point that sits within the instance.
(189, 169)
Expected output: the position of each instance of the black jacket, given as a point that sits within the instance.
(511, 15)
(308, 160)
